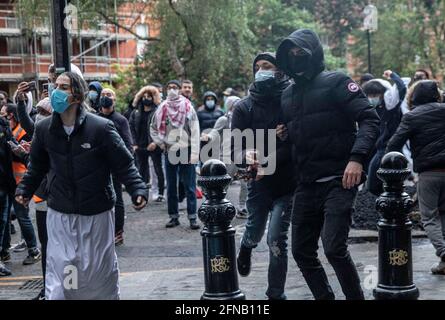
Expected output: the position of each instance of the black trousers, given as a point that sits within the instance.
(119, 209)
(43, 238)
(156, 156)
(325, 209)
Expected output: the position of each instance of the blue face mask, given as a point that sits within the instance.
(263, 75)
(375, 102)
(92, 95)
(210, 104)
(59, 101)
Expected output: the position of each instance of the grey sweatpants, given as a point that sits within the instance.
(431, 194)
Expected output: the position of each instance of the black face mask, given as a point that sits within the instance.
(418, 78)
(298, 64)
(147, 102)
(106, 102)
(267, 85)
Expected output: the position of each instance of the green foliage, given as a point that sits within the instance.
(410, 36)
(224, 37)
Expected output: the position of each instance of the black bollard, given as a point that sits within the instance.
(218, 236)
(395, 248)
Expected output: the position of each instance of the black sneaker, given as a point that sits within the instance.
(5, 256)
(172, 223)
(34, 256)
(194, 224)
(20, 247)
(243, 261)
(160, 199)
(40, 296)
(242, 214)
(4, 272)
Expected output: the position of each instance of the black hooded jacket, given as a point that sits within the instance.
(7, 182)
(321, 111)
(207, 118)
(122, 127)
(140, 121)
(424, 127)
(261, 110)
(79, 166)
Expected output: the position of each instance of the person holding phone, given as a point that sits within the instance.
(7, 185)
(19, 168)
(79, 152)
(269, 195)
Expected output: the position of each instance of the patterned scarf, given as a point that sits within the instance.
(175, 111)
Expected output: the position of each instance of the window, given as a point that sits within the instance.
(101, 50)
(17, 45)
(142, 31)
(45, 45)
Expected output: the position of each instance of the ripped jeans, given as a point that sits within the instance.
(263, 207)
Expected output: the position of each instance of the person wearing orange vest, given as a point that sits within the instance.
(44, 110)
(7, 185)
(9, 111)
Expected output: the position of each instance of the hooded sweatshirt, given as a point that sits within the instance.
(98, 87)
(321, 112)
(261, 110)
(207, 117)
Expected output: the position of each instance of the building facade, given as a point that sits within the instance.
(99, 51)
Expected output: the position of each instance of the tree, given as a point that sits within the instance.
(411, 35)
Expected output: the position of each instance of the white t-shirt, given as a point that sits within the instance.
(68, 129)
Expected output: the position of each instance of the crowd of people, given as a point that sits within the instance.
(72, 152)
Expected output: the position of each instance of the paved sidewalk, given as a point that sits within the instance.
(160, 263)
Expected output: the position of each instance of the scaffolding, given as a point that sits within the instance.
(24, 57)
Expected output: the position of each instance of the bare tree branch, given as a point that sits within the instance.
(128, 29)
(187, 32)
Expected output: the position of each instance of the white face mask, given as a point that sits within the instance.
(173, 94)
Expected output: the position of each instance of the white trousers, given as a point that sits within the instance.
(81, 259)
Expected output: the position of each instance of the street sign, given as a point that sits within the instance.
(371, 18)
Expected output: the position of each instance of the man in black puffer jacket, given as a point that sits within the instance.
(269, 196)
(107, 104)
(321, 113)
(145, 104)
(79, 151)
(424, 127)
(209, 112)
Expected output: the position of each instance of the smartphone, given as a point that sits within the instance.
(13, 144)
(31, 86)
(45, 86)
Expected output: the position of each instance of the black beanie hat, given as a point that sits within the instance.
(425, 92)
(268, 56)
(174, 82)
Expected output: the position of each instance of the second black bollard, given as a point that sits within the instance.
(395, 248)
(218, 236)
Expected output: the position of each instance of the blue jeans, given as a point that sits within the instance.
(187, 176)
(25, 224)
(375, 185)
(259, 205)
(4, 216)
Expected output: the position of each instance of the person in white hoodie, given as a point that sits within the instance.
(175, 128)
(387, 99)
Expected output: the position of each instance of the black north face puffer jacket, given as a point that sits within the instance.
(322, 111)
(79, 166)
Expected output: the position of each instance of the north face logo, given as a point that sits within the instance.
(86, 146)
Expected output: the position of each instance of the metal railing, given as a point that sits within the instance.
(39, 64)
